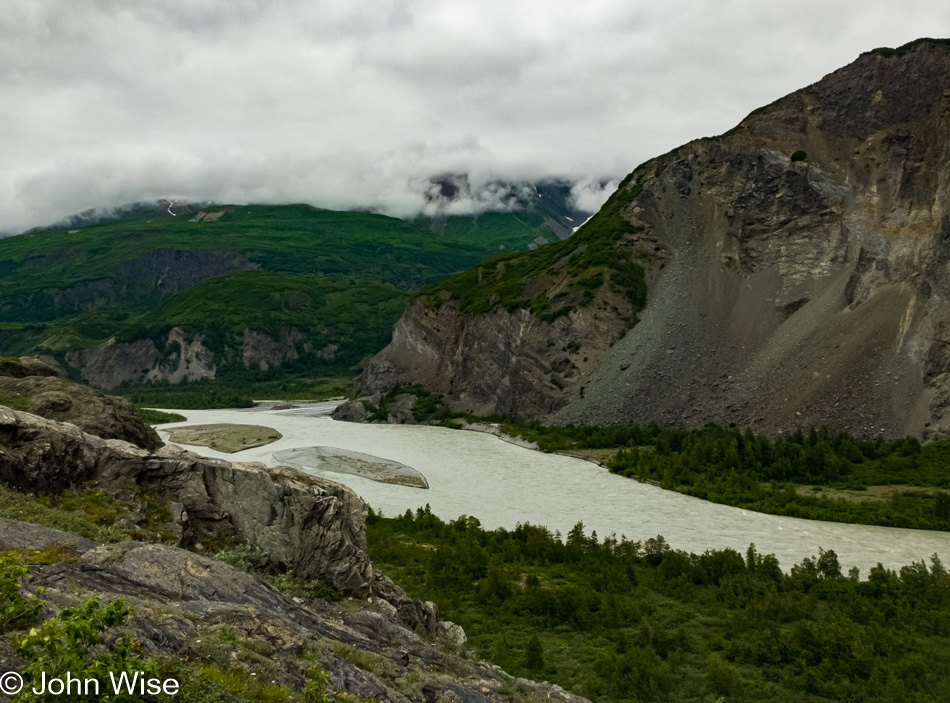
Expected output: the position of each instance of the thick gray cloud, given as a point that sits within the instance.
(356, 104)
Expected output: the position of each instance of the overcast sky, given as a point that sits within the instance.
(356, 103)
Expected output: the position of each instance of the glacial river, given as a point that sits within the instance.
(477, 474)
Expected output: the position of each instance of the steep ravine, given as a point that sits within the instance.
(799, 276)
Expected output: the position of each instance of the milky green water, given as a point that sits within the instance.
(471, 473)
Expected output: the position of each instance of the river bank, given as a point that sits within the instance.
(503, 484)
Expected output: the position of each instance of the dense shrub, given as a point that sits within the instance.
(616, 620)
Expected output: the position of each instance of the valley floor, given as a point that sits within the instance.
(502, 484)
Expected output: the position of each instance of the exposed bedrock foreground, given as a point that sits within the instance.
(381, 645)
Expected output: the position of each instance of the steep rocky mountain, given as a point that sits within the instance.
(796, 269)
(176, 292)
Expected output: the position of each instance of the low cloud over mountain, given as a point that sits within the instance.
(360, 104)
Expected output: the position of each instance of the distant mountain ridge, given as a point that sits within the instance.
(173, 291)
(535, 205)
(797, 270)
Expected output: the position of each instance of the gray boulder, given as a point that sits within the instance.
(25, 535)
(413, 612)
(163, 573)
(102, 415)
(453, 634)
(357, 410)
(399, 409)
(311, 526)
(23, 366)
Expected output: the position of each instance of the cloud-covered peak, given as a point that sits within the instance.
(344, 104)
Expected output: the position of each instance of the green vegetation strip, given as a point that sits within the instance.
(90, 514)
(816, 475)
(629, 621)
(158, 417)
(750, 471)
(582, 263)
(238, 388)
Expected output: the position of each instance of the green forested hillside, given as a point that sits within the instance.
(335, 282)
(326, 309)
(579, 265)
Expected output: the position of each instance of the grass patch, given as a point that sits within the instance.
(158, 417)
(225, 437)
(367, 661)
(88, 514)
(15, 401)
(50, 554)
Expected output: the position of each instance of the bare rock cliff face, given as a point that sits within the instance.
(181, 355)
(806, 282)
(499, 364)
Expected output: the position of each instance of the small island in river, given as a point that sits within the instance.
(224, 437)
(345, 461)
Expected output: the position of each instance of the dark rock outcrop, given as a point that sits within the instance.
(504, 363)
(199, 609)
(23, 366)
(98, 414)
(313, 527)
(792, 292)
(24, 535)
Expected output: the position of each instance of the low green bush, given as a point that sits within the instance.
(16, 609)
(71, 642)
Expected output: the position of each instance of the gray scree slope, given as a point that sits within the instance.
(789, 292)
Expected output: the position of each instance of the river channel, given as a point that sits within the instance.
(477, 474)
